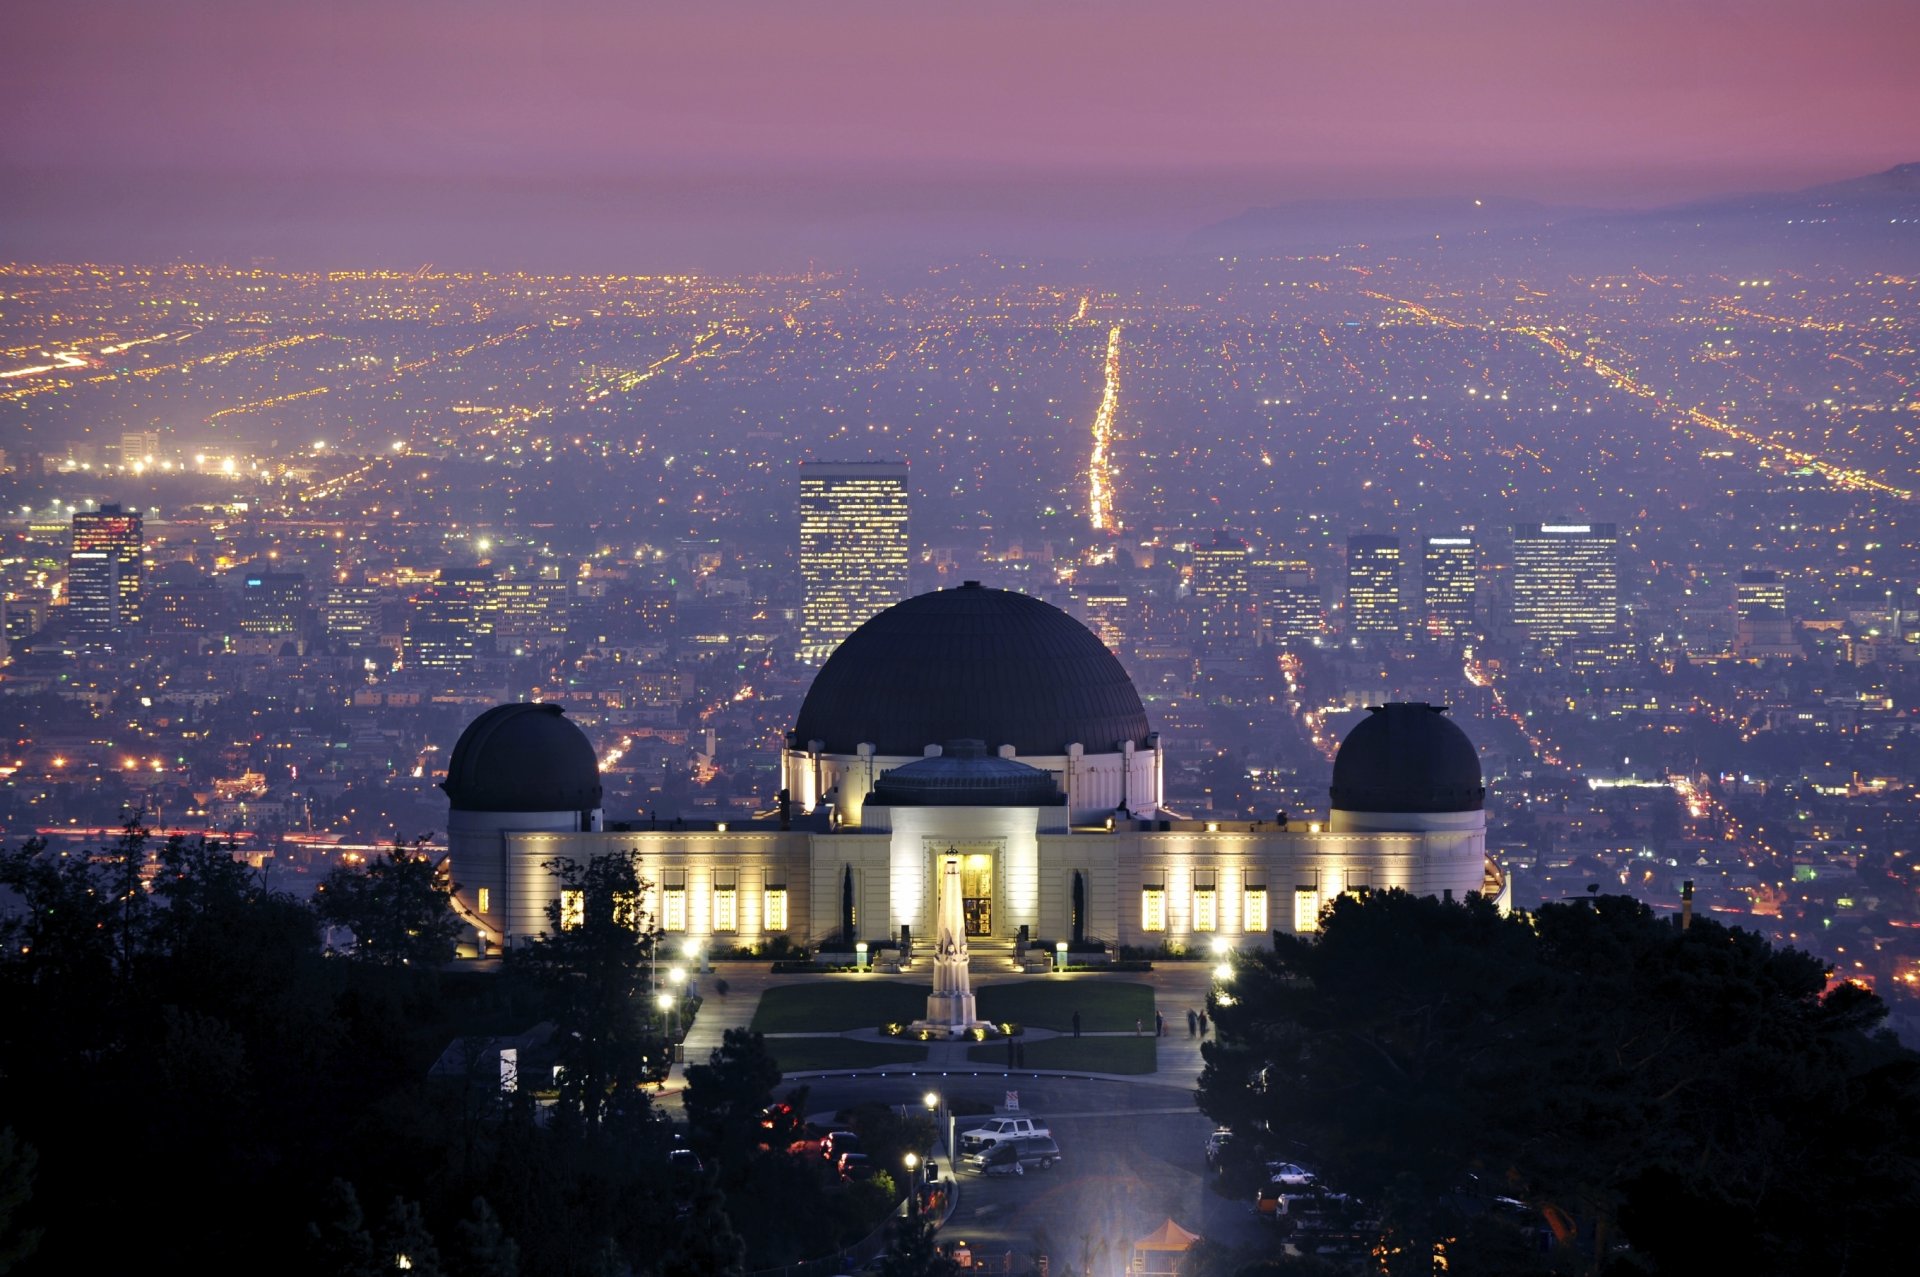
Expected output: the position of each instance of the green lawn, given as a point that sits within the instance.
(1105, 1006)
(798, 1055)
(834, 1003)
(1093, 1055)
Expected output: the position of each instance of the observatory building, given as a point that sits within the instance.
(982, 730)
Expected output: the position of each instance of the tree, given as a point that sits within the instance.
(399, 908)
(405, 1238)
(17, 1160)
(911, 1251)
(338, 1244)
(725, 1096)
(1680, 1100)
(594, 965)
(481, 1247)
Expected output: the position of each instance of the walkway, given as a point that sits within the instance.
(1177, 987)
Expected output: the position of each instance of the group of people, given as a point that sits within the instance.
(1196, 1024)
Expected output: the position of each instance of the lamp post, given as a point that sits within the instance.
(913, 1183)
(664, 1001)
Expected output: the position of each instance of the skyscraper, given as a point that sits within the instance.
(1373, 585)
(93, 593)
(1450, 568)
(111, 530)
(1221, 591)
(1566, 581)
(853, 548)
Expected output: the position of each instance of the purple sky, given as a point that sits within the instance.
(1225, 103)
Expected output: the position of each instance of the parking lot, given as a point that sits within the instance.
(1132, 1156)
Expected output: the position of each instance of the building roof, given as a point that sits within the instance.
(523, 757)
(971, 663)
(1407, 757)
(965, 775)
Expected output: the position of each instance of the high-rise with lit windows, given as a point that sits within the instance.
(1566, 581)
(1449, 572)
(1373, 585)
(853, 548)
(111, 530)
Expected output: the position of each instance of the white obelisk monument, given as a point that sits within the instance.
(950, 1005)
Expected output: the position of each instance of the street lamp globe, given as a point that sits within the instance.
(931, 1099)
(664, 1002)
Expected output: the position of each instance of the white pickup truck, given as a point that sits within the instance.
(1000, 1129)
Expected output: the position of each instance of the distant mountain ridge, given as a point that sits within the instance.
(1879, 203)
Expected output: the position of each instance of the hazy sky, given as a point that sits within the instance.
(1180, 110)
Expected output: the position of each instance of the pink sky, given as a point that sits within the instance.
(1544, 97)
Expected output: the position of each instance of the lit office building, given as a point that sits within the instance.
(93, 593)
(1373, 586)
(350, 614)
(1763, 629)
(1566, 581)
(1450, 569)
(114, 531)
(853, 548)
(273, 605)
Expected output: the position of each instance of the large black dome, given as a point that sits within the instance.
(523, 757)
(971, 663)
(1407, 757)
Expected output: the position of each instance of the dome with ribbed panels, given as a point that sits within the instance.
(971, 663)
(963, 774)
(523, 757)
(1407, 756)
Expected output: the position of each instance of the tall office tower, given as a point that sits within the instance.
(1763, 629)
(1373, 585)
(1110, 611)
(1450, 569)
(114, 531)
(350, 614)
(182, 603)
(532, 615)
(853, 548)
(93, 593)
(1566, 581)
(1220, 591)
(477, 584)
(443, 627)
(273, 607)
(1290, 603)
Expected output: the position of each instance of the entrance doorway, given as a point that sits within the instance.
(976, 892)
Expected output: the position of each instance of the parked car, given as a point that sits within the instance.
(838, 1142)
(1217, 1145)
(685, 1160)
(1005, 1128)
(1013, 1157)
(854, 1166)
(1290, 1175)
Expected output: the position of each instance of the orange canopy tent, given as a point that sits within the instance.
(1160, 1250)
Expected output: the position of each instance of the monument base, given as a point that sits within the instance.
(950, 1015)
(941, 1030)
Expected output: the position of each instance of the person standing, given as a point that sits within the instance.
(1203, 1024)
(1159, 1025)
(1076, 1024)
(1191, 1019)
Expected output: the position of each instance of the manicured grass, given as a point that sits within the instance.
(798, 1055)
(1093, 1055)
(830, 1004)
(1105, 1006)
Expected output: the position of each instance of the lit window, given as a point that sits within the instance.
(1206, 903)
(726, 910)
(626, 909)
(486, 900)
(673, 910)
(573, 909)
(1254, 910)
(776, 908)
(1153, 909)
(1306, 908)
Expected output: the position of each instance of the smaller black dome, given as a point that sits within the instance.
(1407, 757)
(965, 775)
(523, 757)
